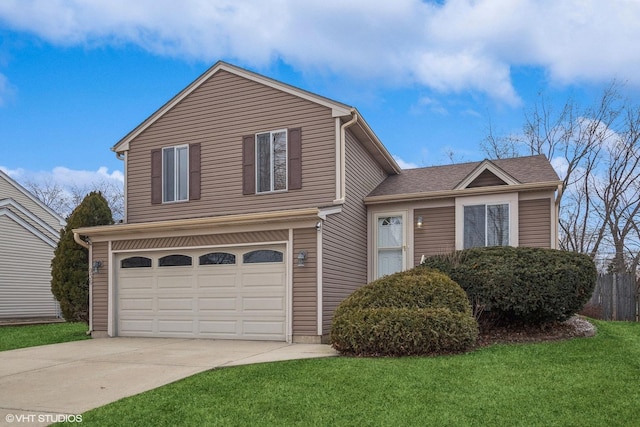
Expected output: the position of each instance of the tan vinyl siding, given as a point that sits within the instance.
(486, 179)
(535, 223)
(25, 273)
(205, 240)
(344, 267)
(438, 232)
(100, 291)
(217, 115)
(305, 283)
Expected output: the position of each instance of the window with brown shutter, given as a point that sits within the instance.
(272, 161)
(194, 171)
(156, 177)
(248, 162)
(295, 159)
(175, 174)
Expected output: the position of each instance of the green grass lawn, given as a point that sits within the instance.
(581, 382)
(12, 337)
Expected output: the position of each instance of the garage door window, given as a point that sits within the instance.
(215, 258)
(262, 255)
(135, 262)
(174, 261)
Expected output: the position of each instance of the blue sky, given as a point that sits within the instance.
(429, 77)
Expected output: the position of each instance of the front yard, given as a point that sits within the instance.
(13, 337)
(581, 382)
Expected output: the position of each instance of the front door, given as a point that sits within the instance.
(390, 242)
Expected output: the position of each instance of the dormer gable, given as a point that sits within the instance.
(486, 174)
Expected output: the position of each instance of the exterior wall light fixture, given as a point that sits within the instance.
(95, 267)
(419, 222)
(302, 255)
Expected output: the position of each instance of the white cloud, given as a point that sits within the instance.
(560, 165)
(67, 178)
(403, 164)
(460, 45)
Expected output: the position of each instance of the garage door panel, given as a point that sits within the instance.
(137, 325)
(136, 304)
(217, 304)
(179, 282)
(136, 283)
(224, 301)
(175, 304)
(258, 328)
(219, 327)
(225, 281)
(262, 279)
(176, 326)
(262, 304)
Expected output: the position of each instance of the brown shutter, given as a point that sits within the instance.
(295, 158)
(248, 164)
(194, 171)
(156, 177)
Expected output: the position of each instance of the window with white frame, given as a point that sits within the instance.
(271, 161)
(486, 225)
(175, 173)
(390, 244)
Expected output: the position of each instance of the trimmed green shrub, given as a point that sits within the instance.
(526, 285)
(70, 265)
(416, 312)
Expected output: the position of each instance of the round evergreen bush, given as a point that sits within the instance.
(526, 285)
(416, 312)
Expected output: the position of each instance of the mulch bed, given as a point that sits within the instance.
(572, 328)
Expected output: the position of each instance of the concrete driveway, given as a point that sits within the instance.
(40, 385)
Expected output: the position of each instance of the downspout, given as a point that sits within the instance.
(343, 141)
(84, 244)
(557, 222)
(123, 155)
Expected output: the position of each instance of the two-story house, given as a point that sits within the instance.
(253, 208)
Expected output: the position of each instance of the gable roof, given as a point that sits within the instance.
(30, 196)
(338, 109)
(530, 171)
(18, 206)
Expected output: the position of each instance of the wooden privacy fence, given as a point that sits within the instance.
(616, 296)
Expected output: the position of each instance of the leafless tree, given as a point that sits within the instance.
(51, 194)
(599, 147)
(63, 200)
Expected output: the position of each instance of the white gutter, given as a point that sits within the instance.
(78, 240)
(341, 187)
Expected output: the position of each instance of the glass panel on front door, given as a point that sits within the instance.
(390, 245)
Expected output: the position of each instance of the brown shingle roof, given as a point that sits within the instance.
(525, 170)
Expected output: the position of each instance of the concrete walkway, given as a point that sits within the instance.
(40, 385)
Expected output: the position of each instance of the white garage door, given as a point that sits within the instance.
(232, 293)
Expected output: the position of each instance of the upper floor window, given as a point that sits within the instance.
(175, 173)
(486, 225)
(271, 161)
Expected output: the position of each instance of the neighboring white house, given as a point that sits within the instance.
(29, 233)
